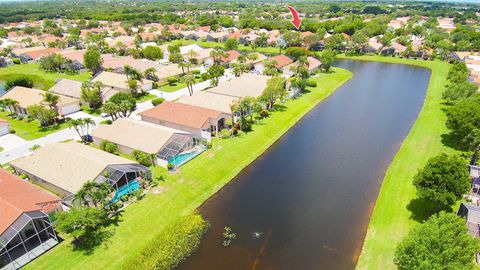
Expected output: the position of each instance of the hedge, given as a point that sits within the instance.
(170, 248)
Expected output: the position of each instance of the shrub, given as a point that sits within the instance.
(170, 166)
(225, 133)
(196, 72)
(311, 83)
(12, 131)
(205, 76)
(106, 122)
(209, 145)
(142, 158)
(19, 81)
(172, 80)
(168, 249)
(157, 101)
(34, 147)
(108, 146)
(264, 113)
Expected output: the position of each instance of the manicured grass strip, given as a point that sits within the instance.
(42, 79)
(396, 209)
(182, 193)
(30, 130)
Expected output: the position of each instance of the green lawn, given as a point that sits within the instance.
(172, 88)
(30, 130)
(396, 209)
(42, 79)
(183, 192)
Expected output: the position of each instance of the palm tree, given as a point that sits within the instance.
(234, 108)
(75, 124)
(242, 59)
(191, 54)
(182, 65)
(189, 80)
(51, 100)
(151, 74)
(217, 55)
(111, 109)
(87, 122)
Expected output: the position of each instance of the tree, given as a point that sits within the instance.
(9, 104)
(231, 44)
(93, 193)
(189, 80)
(273, 90)
(120, 105)
(92, 94)
(153, 53)
(215, 72)
(464, 116)
(443, 180)
(441, 242)
(296, 52)
(82, 127)
(43, 114)
(281, 44)
(92, 59)
(81, 220)
(217, 56)
(459, 91)
(51, 100)
(327, 57)
(151, 74)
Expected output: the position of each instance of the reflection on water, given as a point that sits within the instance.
(306, 203)
(2, 88)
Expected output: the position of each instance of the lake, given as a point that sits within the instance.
(306, 202)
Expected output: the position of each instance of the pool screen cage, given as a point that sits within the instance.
(30, 235)
(175, 145)
(121, 174)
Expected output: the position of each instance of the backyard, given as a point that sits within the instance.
(42, 79)
(179, 194)
(397, 208)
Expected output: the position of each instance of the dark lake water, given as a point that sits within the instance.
(310, 196)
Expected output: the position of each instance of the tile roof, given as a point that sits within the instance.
(182, 114)
(18, 196)
(140, 135)
(282, 60)
(67, 165)
(31, 96)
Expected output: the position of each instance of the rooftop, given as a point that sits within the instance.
(18, 196)
(247, 85)
(182, 114)
(31, 96)
(67, 165)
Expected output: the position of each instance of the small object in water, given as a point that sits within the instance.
(257, 234)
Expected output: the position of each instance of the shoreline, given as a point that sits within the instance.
(196, 182)
(391, 219)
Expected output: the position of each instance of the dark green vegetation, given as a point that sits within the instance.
(172, 246)
(441, 242)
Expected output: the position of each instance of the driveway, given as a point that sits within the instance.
(11, 141)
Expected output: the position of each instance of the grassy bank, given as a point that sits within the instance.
(181, 193)
(42, 79)
(397, 208)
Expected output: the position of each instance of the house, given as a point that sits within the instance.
(30, 96)
(75, 56)
(209, 100)
(248, 38)
(460, 56)
(63, 168)
(68, 88)
(447, 24)
(33, 53)
(202, 56)
(281, 59)
(217, 36)
(394, 49)
(171, 146)
(201, 122)
(194, 35)
(313, 65)
(372, 46)
(119, 82)
(4, 127)
(26, 230)
(471, 213)
(230, 56)
(247, 85)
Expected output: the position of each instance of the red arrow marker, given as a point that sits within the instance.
(296, 19)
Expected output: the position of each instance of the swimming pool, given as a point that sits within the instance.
(184, 157)
(126, 189)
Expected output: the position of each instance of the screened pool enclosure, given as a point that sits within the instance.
(29, 237)
(124, 178)
(180, 149)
